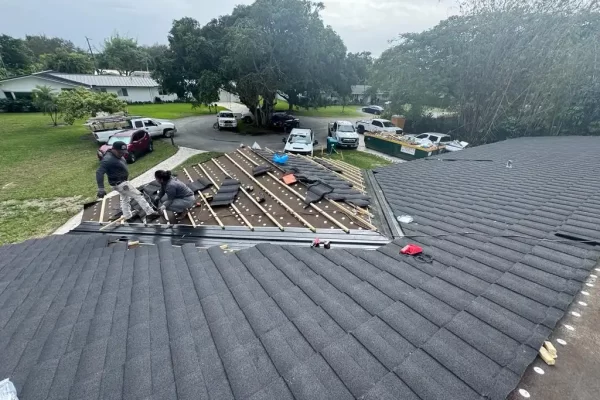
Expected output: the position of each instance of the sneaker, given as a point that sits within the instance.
(182, 215)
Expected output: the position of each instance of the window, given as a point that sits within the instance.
(137, 136)
(123, 92)
(103, 90)
(422, 136)
(226, 115)
(23, 95)
(345, 128)
(139, 124)
(434, 139)
(149, 122)
(162, 92)
(388, 124)
(124, 139)
(299, 138)
(377, 123)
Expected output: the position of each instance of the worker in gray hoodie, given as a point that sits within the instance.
(174, 195)
(115, 167)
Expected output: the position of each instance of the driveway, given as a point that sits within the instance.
(198, 133)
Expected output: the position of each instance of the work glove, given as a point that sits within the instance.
(162, 208)
(101, 193)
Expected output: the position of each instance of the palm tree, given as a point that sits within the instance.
(45, 99)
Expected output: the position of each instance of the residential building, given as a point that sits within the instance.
(129, 88)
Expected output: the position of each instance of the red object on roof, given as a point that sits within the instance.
(411, 250)
(289, 179)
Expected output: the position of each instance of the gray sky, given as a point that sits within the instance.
(362, 24)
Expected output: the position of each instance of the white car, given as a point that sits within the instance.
(344, 133)
(439, 139)
(226, 120)
(377, 125)
(300, 141)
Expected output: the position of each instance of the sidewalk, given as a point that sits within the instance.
(182, 154)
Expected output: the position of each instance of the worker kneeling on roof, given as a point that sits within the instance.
(115, 167)
(174, 195)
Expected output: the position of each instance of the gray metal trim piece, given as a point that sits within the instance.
(388, 214)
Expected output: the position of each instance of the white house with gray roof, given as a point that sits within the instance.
(129, 88)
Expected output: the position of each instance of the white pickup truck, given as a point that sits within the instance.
(104, 127)
(377, 125)
(344, 133)
(226, 120)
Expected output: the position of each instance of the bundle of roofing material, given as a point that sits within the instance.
(310, 172)
(260, 170)
(226, 193)
(200, 184)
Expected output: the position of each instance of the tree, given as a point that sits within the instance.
(123, 54)
(46, 100)
(81, 103)
(16, 57)
(69, 62)
(42, 44)
(506, 68)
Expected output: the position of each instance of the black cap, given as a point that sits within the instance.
(121, 146)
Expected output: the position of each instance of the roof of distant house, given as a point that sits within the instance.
(90, 80)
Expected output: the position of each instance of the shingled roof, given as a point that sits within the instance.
(83, 318)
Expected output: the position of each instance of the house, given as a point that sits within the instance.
(507, 250)
(360, 95)
(129, 88)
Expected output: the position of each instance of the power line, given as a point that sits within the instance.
(91, 53)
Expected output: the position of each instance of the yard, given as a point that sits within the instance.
(169, 110)
(47, 173)
(359, 159)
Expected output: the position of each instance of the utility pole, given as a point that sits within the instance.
(92, 54)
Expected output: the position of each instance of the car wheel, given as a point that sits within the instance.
(168, 133)
(131, 159)
(360, 129)
(150, 147)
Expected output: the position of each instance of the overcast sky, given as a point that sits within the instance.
(362, 24)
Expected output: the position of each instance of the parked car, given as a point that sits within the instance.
(377, 110)
(344, 133)
(105, 127)
(285, 121)
(300, 141)
(226, 120)
(138, 143)
(377, 125)
(439, 139)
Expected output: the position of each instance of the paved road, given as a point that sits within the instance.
(198, 133)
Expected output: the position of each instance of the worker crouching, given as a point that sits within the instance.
(174, 195)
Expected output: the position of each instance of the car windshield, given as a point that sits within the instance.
(124, 139)
(388, 124)
(345, 128)
(226, 115)
(300, 139)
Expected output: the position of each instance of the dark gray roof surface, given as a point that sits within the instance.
(79, 319)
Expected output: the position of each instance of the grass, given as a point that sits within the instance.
(359, 159)
(329, 111)
(170, 110)
(47, 173)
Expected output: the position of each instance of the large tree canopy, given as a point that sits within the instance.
(123, 54)
(270, 47)
(506, 68)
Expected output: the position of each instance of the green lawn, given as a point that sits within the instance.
(359, 159)
(47, 173)
(329, 111)
(169, 110)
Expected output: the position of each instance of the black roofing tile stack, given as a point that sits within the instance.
(342, 189)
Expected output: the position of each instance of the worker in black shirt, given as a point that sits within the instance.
(115, 167)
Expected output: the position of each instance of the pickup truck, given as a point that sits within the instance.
(300, 141)
(377, 125)
(344, 133)
(226, 120)
(104, 127)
